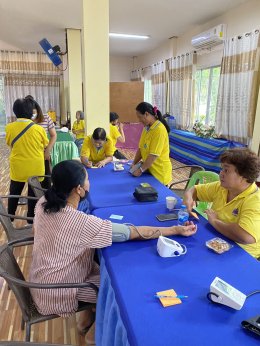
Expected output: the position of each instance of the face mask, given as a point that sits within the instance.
(34, 116)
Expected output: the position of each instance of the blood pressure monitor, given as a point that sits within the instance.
(223, 293)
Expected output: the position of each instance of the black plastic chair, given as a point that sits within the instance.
(12, 233)
(10, 271)
(36, 185)
(180, 190)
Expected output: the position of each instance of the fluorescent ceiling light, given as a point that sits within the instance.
(142, 37)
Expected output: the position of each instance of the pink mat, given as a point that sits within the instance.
(132, 135)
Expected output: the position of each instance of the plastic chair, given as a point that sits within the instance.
(10, 271)
(202, 177)
(36, 185)
(180, 190)
(21, 234)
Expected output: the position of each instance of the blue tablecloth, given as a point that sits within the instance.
(133, 272)
(110, 188)
(190, 149)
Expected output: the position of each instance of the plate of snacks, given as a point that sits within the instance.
(218, 245)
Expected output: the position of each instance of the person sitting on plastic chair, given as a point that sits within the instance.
(78, 129)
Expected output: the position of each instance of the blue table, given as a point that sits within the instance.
(132, 272)
(109, 188)
(190, 149)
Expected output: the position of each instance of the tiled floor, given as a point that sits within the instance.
(61, 331)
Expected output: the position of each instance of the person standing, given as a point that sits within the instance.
(153, 153)
(116, 134)
(47, 124)
(27, 142)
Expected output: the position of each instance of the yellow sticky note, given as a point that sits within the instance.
(169, 301)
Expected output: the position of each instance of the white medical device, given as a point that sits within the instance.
(170, 248)
(223, 293)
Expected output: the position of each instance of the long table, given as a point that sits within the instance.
(115, 188)
(190, 149)
(132, 272)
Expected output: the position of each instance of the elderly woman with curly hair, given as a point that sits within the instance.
(235, 210)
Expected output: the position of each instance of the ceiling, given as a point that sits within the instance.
(23, 24)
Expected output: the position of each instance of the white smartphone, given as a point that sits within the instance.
(167, 217)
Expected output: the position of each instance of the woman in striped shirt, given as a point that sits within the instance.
(47, 124)
(65, 241)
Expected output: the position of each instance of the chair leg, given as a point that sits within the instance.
(28, 332)
(22, 324)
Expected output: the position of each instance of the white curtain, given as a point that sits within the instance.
(181, 86)
(147, 77)
(238, 87)
(159, 86)
(30, 74)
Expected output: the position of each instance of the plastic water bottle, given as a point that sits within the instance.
(172, 122)
(183, 215)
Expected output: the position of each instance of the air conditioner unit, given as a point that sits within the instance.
(209, 38)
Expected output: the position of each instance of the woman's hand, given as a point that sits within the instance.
(100, 164)
(47, 154)
(137, 173)
(89, 164)
(189, 229)
(212, 215)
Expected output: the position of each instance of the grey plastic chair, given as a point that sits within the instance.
(12, 233)
(10, 271)
(180, 190)
(36, 185)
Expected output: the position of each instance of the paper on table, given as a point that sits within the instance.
(116, 217)
(168, 301)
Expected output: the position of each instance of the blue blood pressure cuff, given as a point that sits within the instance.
(120, 232)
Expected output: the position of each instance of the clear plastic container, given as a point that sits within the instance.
(218, 245)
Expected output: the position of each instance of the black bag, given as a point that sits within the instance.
(145, 193)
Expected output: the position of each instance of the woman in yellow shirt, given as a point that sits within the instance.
(154, 152)
(97, 150)
(78, 129)
(116, 134)
(27, 152)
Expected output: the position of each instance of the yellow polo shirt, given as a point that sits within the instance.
(79, 126)
(155, 140)
(92, 153)
(27, 155)
(243, 210)
(114, 134)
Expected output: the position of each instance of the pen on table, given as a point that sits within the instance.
(163, 296)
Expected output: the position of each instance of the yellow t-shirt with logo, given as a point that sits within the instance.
(114, 134)
(27, 155)
(79, 126)
(244, 210)
(92, 153)
(155, 140)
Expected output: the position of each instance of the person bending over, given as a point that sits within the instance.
(154, 151)
(65, 240)
(235, 210)
(116, 134)
(97, 149)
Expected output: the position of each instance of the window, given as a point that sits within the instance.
(206, 92)
(2, 106)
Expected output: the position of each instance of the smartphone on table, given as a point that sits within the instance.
(167, 217)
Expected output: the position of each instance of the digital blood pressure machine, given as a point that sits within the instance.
(170, 248)
(223, 293)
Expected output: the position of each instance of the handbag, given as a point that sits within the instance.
(145, 193)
